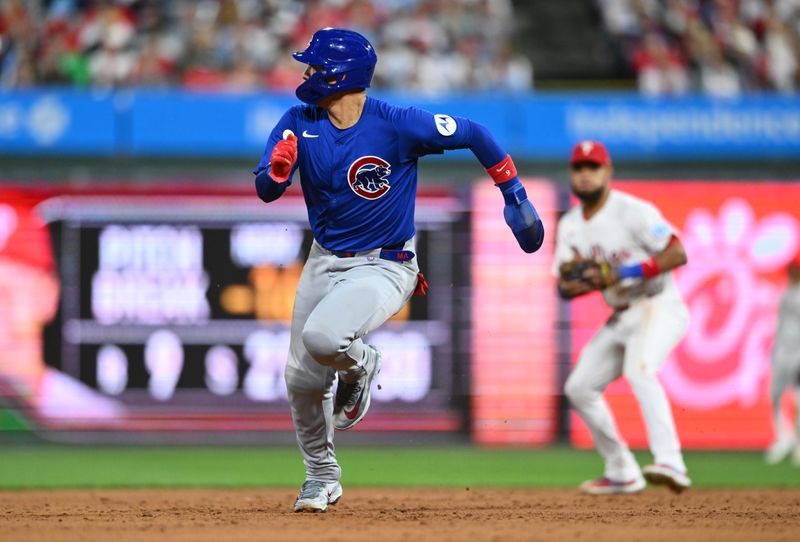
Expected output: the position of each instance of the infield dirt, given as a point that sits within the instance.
(385, 515)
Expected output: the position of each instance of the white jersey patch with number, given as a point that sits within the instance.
(626, 230)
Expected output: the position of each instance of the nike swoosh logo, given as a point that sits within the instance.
(350, 414)
(497, 170)
(306, 134)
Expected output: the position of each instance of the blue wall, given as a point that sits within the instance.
(176, 123)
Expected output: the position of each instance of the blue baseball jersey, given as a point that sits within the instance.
(360, 183)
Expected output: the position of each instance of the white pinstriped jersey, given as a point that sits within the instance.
(625, 230)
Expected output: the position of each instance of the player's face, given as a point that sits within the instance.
(589, 180)
(311, 70)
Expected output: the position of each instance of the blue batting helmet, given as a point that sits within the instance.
(347, 61)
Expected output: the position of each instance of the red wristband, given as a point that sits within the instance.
(503, 171)
(650, 268)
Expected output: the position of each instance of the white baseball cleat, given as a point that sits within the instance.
(674, 479)
(316, 495)
(353, 398)
(779, 450)
(607, 486)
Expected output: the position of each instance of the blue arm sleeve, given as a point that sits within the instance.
(484, 147)
(266, 188)
(426, 133)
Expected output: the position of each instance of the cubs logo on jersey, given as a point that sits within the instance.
(368, 177)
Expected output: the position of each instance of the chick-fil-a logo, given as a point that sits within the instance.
(725, 354)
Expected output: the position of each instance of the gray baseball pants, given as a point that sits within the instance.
(339, 300)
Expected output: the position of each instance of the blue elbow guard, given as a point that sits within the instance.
(521, 216)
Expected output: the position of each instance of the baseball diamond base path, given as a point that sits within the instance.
(386, 515)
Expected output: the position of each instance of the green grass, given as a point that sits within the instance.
(458, 466)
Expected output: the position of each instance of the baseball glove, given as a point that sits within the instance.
(598, 274)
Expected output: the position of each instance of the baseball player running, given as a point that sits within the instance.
(621, 245)
(357, 158)
(786, 369)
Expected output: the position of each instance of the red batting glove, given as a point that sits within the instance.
(283, 157)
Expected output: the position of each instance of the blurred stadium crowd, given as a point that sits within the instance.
(673, 47)
(428, 46)
(717, 47)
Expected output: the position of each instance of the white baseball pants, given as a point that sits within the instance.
(635, 343)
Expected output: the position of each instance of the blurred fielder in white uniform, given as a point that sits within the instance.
(621, 245)
(786, 370)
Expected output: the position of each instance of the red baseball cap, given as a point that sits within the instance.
(590, 151)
